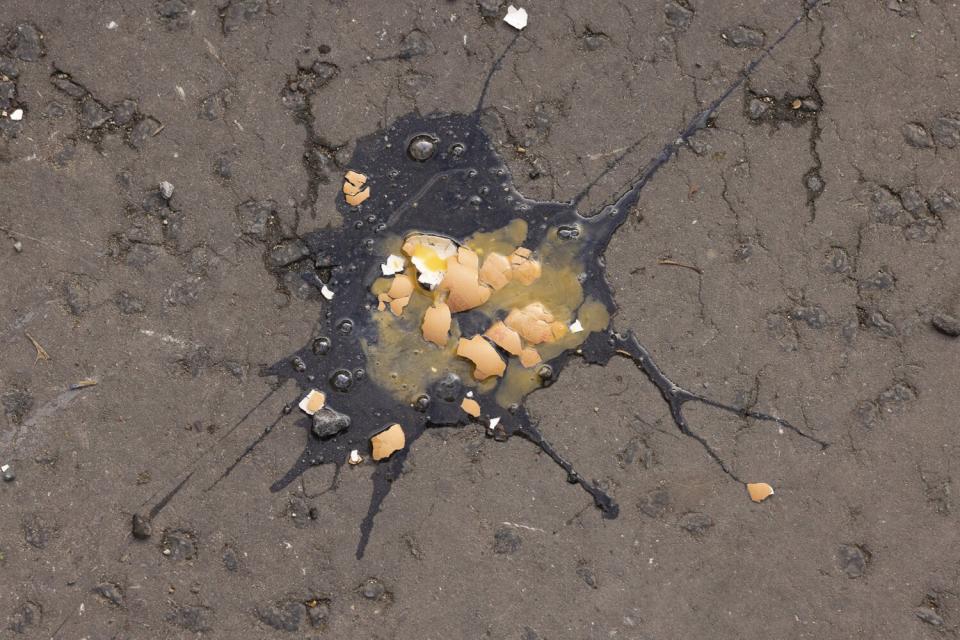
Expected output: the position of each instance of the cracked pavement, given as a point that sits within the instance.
(819, 213)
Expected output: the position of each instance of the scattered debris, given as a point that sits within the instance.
(355, 457)
(387, 442)
(41, 352)
(471, 407)
(535, 324)
(483, 355)
(328, 422)
(673, 263)
(313, 402)
(759, 491)
(516, 18)
(393, 265)
(354, 191)
(83, 384)
(398, 295)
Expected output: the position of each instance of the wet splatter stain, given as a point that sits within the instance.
(440, 175)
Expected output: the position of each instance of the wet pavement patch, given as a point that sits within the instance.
(446, 298)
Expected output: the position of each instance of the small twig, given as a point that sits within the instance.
(83, 384)
(41, 352)
(673, 263)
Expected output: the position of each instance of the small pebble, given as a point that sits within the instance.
(9, 476)
(18, 246)
(947, 324)
(166, 190)
(141, 528)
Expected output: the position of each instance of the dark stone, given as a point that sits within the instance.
(814, 316)
(142, 131)
(328, 422)
(285, 616)
(489, 8)
(896, 396)
(129, 304)
(8, 94)
(912, 201)
(287, 252)
(506, 541)
(695, 523)
(26, 43)
(415, 43)
(299, 287)
(318, 612)
(179, 544)
(8, 67)
(885, 207)
(946, 131)
(231, 560)
(185, 293)
(413, 82)
(636, 452)
(239, 12)
(838, 261)
(373, 589)
(63, 82)
(947, 324)
(655, 503)
(880, 281)
(16, 405)
(743, 37)
(917, 136)
(125, 112)
(110, 592)
(141, 527)
(223, 164)
(175, 13)
(757, 108)
(588, 576)
(852, 560)
(942, 202)
(876, 320)
(214, 106)
(77, 297)
(195, 619)
(593, 41)
(93, 115)
(36, 532)
(24, 617)
(867, 413)
(677, 15)
(258, 218)
(929, 616)
(814, 183)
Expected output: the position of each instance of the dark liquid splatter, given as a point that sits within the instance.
(440, 174)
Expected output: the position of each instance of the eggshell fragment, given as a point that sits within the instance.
(534, 323)
(524, 268)
(397, 305)
(401, 287)
(462, 281)
(505, 338)
(529, 357)
(393, 265)
(516, 18)
(483, 355)
(436, 324)
(355, 199)
(759, 491)
(354, 177)
(387, 442)
(471, 407)
(313, 402)
(355, 457)
(496, 271)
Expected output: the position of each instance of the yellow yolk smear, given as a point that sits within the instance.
(405, 363)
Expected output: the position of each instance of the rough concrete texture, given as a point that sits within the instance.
(820, 212)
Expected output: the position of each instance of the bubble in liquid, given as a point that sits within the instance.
(422, 147)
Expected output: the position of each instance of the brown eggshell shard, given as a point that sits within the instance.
(463, 284)
(483, 355)
(357, 198)
(397, 305)
(759, 491)
(356, 178)
(471, 407)
(496, 271)
(388, 442)
(401, 287)
(313, 402)
(505, 338)
(384, 300)
(529, 357)
(525, 269)
(351, 189)
(533, 323)
(436, 324)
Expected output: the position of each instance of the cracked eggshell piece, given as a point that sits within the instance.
(529, 357)
(524, 268)
(462, 282)
(576, 326)
(496, 271)
(387, 442)
(534, 323)
(483, 355)
(16, 115)
(759, 491)
(516, 18)
(397, 305)
(313, 402)
(471, 407)
(401, 287)
(436, 324)
(393, 265)
(355, 178)
(355, 457)
(357, 198)
(505, 338)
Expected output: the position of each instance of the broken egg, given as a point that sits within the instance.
(387, 442)
(429, 254)
(354, 191)
(759, 491)
(313, 402)
(436, 324)
(483, 355)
